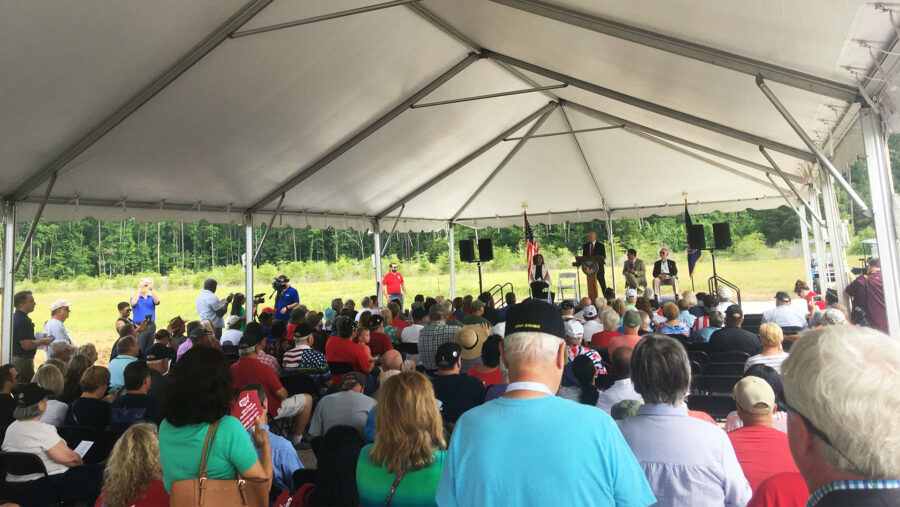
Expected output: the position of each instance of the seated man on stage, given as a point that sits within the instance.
(665, 272)
(595, 248)
(634, 271)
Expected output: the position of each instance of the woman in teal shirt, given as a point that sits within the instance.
(198, 393)
(406, 460)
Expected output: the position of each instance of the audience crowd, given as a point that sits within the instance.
(459, 402)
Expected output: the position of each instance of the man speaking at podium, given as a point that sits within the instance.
(593, 248)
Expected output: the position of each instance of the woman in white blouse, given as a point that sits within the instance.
(539, 277)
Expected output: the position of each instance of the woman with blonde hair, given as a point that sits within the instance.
(61, 365)
(133, 475)
(49, 377)
(89, 350)
(771, 337)
(403, 466)
(72, 379)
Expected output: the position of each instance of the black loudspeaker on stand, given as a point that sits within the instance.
(697, 237)
(722, 235)
(485, 254)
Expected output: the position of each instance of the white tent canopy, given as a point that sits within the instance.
(171, 109)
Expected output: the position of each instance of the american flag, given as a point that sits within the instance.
(531, 246)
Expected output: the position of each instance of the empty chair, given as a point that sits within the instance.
(698, 355)
(718, 406)
(724, 369)
(567, 286)
(696, 369)
(723, 384)
(733, 356)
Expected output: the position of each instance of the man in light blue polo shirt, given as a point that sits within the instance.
(127, 348)
(557, 452)
(210, 307)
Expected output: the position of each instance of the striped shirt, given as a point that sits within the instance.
(857, 484)
(773, 361)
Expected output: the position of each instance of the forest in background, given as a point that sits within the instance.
(111, 250)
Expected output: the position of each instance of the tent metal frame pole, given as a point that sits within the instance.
(488, 96)
(37, 217)
(790, 185)
(248, 262)
(804, 243)
(820, 237)
(883, 206)
(570, 131)
(265, 235)
(466, 160)
(587, 165)
(706, 54)
(323, 17)
(653, 107)
(131, 105)
(833, 219)
(509, 156)
(360, 136)
(394, 228)
(787, 199)
(9, 279)
(600, 115)
(820, 155)
(376, 255)
(450, 242)
(612, 249)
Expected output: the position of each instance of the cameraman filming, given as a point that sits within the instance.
(286, 298)
(867, 292)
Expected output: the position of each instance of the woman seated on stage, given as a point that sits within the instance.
(539, 277)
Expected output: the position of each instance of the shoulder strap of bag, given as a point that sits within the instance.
(207, 447)
(390, 496)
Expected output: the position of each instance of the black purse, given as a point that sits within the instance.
(858, 315)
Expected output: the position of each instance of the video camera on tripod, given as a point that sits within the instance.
(279, 284)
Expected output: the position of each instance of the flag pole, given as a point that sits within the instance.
(687, 234)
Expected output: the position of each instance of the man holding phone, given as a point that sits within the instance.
(143, 305)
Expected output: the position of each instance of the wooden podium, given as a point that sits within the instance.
(591, 278)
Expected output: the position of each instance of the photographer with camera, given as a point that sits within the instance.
(867, 292)
(210, 307)
(286, 298)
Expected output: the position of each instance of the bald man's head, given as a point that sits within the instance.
(392, 360)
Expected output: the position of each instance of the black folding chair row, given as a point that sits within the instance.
(41, 490)
(724, 369)
(718, 406)
(715, 384)
(733, 356)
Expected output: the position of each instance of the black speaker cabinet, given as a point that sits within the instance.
(697, 237)
(485, 250)
(722, 233)
(467, 250)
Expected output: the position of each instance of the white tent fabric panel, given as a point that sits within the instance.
(66, 65)
(259, 108)
(417, 145)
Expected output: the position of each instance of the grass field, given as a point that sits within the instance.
(94, 313)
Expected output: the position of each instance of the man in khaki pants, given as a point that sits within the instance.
(634, 271)
(24, 341)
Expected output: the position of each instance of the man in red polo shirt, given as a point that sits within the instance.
(393, 286)
(761, 450)
(281, 406)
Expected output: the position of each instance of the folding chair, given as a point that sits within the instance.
(702, 358)
(721, 384)
(733, 356)
(567, 287)
(725, 369)
(339, 368)
(40, 491)
(718, 406)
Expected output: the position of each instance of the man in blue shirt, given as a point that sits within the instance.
(24, 342)
(537, 460)
(284, 457)
(210, 307)
(128, 352)
(287, 300)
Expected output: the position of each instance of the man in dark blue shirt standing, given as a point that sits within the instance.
(24, 341)
(287, 300)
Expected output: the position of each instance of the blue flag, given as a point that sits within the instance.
(693, 255)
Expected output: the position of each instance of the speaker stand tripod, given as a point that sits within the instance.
(480, 288)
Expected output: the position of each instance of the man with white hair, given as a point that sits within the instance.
(833, 317)
(665, 272)
(55, 328)
(725, 296)
(490, 462)
(842, 428)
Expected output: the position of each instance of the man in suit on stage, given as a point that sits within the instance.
(596, 249)
(634, 271)
(665, 272)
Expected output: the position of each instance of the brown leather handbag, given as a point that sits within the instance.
(204, 491)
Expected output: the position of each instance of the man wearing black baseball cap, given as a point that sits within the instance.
(458, 393)
(287, 300)
(732, 338)
(512, 450)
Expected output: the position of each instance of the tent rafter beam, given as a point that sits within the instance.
(568, 132)
(323, 17)
(137, 100)
(699, 52)
(360, 136)
(587, 165)
(653, 107)
(790, 185)
(465, 160)
(606, 117)
(488, 96)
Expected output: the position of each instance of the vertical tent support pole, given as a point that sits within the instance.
(819, 233)
(450, 242)
(248, 264)
(612, 249)
(9, 252)
(376, 234)
(833, 219)
(883, 207)
(804, 243)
